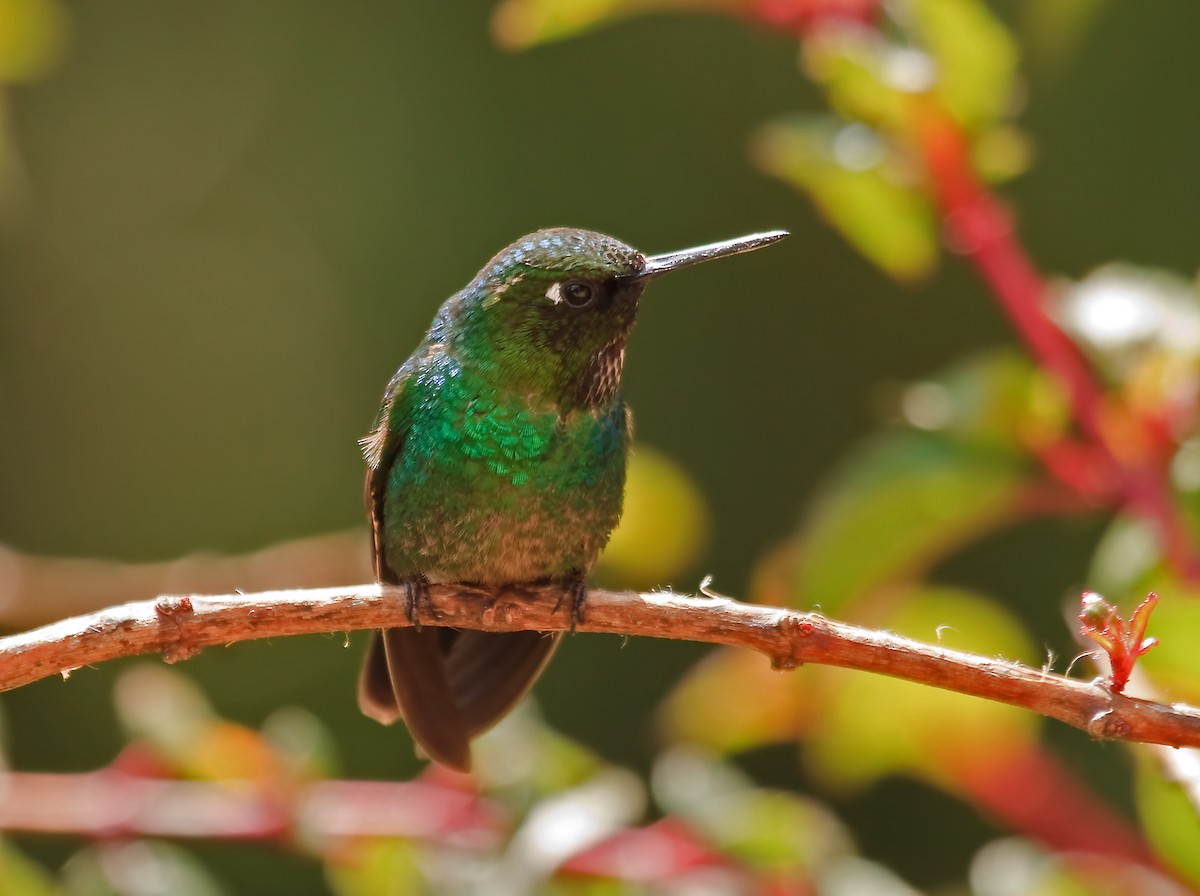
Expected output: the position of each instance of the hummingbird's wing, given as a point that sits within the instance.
(489, 672)
(416, 669)
(404, 674)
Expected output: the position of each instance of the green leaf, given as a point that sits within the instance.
(664, 527)
(872, 725)
(1002, 154)
(21, 877)
(32, 34)
(519, 24)
(976, 58)
(593, 886)
(846, 172)
(708, 707)
(1168, 817)
(900, 503)
(996, 399)
(905, 499)
(376, 868)
(851, 64)
(856, 184)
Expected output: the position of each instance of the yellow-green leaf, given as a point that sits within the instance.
(996, 399)
(376, 868)
(31, 37)
(851, 64)
(1168, 816)
(873, 725)
(19, 876)
(709, 706)
(664, 527)
(976, 58)
(899, 503)
(856, 183)
(519, 24)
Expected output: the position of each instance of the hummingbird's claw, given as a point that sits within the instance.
(574, 589)
(416, 597)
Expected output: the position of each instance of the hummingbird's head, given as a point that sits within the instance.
(551, 313)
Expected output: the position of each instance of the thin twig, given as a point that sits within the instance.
(179, 627)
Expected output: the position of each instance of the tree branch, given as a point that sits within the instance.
(180, 626)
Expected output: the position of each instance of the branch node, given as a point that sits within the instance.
(790, 627)
(172, 612)
(169, 607)
(1108, 725)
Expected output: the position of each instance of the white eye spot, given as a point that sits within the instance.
(554, 293)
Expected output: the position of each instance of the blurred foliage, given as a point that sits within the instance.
(985, 446)
(32, 33)
(845, 170)
(32, 38)
(665, 525)
(139, 868)
(21, 877)
(922, 731)
(1165, 797)
(964, 456)
(543, 815)
(540, 815)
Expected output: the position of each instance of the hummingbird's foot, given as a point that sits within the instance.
(416, 598)
(575, 590)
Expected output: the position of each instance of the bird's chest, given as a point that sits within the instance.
(497, 491)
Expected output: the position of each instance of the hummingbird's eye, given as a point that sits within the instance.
(576, 293)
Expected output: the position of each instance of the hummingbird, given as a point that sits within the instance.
(498, 457)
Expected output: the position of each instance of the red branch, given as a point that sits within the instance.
(980, 228)
(109, 803)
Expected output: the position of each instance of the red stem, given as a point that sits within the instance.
(980, 228)
(110, 803)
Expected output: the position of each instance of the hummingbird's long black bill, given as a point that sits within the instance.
(673, 261)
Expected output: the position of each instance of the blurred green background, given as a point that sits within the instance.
(224, 225)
